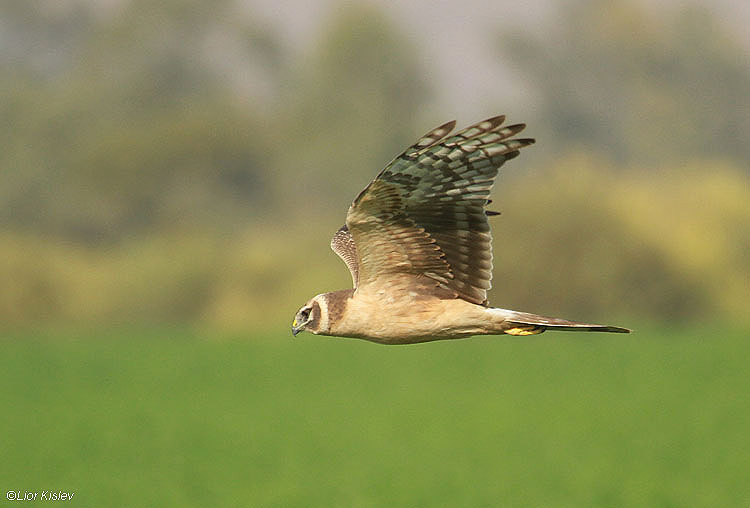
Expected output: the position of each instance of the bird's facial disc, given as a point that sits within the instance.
(301, 319)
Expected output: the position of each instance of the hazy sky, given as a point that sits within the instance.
(454, 38)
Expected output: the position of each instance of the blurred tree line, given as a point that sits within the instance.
(637, 86)
(159, 114)
(174, 161)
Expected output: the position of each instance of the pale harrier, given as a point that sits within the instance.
(418, 245)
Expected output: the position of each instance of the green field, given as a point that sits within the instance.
(175, 418)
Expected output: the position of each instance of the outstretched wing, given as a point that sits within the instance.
(423, 216)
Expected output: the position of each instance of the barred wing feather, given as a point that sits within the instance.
(423, 216)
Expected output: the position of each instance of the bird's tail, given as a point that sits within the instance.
(524, 323)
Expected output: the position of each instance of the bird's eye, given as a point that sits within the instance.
(304, 314)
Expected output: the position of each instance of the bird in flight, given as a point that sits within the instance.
(417, 243)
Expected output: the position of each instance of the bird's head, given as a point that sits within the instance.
(311, 317)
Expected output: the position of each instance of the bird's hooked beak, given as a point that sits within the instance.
(296, 327)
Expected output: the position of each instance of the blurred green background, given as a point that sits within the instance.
(170, 176)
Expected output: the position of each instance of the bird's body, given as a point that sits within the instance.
(396, 317)
(417, 243)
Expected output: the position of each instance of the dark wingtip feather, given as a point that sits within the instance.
(446, 128)
(512, 130)
(495, 120)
